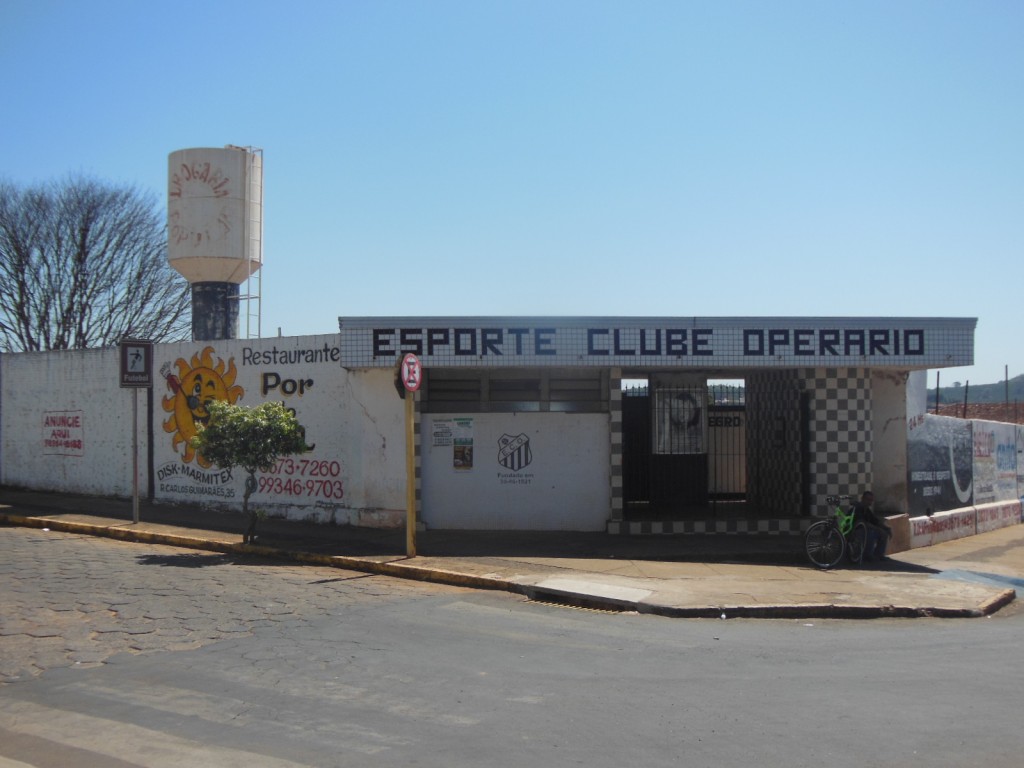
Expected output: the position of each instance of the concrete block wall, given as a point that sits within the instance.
(65, 425)
(354, 472)
(966, 521)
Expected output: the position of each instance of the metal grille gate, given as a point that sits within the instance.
(684, 451)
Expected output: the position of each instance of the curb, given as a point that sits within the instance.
(802, 612)
(400, 568)
(394, 568)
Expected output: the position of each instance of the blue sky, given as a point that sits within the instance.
(566, 157)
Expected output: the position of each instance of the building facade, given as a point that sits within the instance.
(615, 424)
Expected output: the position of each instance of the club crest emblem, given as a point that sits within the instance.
(514, 452)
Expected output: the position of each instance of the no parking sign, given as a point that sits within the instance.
(412, 372)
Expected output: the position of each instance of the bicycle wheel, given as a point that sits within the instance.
(824, 544)
(856, 543)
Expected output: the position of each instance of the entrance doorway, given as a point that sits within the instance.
(684, 449)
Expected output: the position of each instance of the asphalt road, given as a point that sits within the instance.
(117, 654)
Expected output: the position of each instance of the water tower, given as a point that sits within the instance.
(215, 232)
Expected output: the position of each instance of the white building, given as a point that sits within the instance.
(523, 423)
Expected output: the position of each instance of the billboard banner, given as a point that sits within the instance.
(940, 464)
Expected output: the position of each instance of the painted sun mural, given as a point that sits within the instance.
(199, 381)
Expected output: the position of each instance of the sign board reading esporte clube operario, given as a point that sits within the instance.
(907, 343)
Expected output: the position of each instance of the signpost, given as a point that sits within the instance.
(411, 373)
(136, 373)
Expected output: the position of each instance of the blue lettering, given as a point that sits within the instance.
(490, 341)
(381, 343)
(803, 342)
(412, 341)
(592, 334)
(702, 341)
(827, 341)
(436, 337)
(854, 339)
(517, 334)
(618, 344)
(913, 342)
(753, 342)
(1006, 457)
(675, 341)
(542, 344)
(878, 342)
(462, 333)
(643, 343)
(777, 338)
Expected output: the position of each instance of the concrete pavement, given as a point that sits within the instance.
(709, 576)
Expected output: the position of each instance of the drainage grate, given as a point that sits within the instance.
(581, 604)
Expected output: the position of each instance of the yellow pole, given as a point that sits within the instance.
(135, 455)
(410, 476)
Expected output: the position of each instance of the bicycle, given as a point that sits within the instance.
(826, 541)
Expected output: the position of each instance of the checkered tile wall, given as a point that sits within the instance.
(838, 453)
(840, 434)
(615, 437)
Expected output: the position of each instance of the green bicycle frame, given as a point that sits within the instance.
(845, 520)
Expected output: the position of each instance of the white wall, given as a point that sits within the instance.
(995, 461)
(65, 423)
(917, 394)
(1020, 462)
(889, 440)
(566, 485)
(355, 472)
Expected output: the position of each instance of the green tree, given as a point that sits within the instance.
(251, 438)
(82, 265)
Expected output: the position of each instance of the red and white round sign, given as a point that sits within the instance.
(412, 372)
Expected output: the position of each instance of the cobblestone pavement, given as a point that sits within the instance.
(312, 667)
(77, 601)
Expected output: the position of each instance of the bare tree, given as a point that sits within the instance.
(83, 264)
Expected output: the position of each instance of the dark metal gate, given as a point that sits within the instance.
(684, 451)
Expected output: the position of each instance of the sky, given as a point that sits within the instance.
(566, 157)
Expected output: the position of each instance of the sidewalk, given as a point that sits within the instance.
(715, 576)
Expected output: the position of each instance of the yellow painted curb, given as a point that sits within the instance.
(405, 569)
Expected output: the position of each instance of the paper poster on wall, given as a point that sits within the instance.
(442, 433)
(679, 424)
(462, 449)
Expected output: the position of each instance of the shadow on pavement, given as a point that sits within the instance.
(191, 560)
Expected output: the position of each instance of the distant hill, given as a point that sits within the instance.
(992, 402)
(981, 393)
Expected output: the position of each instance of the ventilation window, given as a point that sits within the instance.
(448, 390)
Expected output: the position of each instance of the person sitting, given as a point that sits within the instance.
(878, 532)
